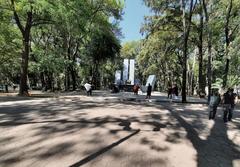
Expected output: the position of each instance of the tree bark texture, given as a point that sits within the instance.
(227, 38)
(186, 31)
(209, 41)
(201, 80)
(25, 31)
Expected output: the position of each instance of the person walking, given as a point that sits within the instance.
(229, 103)
(88, 88)
(213, 105)
(135, 89)
(149, 91)
(169, 91)
(175, 91)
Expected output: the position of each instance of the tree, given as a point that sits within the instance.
(130, 49)
(103, 46)
(57, 31)
(186, 31)
(26, 15)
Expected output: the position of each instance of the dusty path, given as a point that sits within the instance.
(89, 132)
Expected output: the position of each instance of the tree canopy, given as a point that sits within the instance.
(49, 43)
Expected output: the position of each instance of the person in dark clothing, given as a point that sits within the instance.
(6, 88)
(169, 91)
(14, 87)
(229, 103)
(115, 89)
(149, 91)
(175, 91)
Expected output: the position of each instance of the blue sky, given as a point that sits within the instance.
(133, 17)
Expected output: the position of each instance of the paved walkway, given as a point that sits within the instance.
(123, 96)
(103, 132)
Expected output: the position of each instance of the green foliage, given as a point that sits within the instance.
(64, 37)
(162, 49)
(232, 82)
(10, 45)
(130, 50)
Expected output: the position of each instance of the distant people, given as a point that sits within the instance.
(115, 89)
(14, 87)
(6, 88)
(135, 89)
(149, 91)
(26, 91)
(213, 105)
(229, 103)
(175, 91)
(169, 91)
(88, 88)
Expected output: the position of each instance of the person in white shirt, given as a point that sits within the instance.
(88, 88)
(213, 105)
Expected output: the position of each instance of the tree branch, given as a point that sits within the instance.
(16, 17)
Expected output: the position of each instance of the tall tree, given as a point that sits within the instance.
(200, 28)
(186, 30)
(209, 46)
(28, 14)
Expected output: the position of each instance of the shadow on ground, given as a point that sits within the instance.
(61, 128)
(217, 149)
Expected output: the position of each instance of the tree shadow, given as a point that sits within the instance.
(103, 150)
(217, 150)
(46, 123)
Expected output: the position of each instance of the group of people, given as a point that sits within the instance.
(149, 90)
(228, 101)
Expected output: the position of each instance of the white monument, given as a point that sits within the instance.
(125, 70)
(131, 71)
(151, 80)
(118, 77)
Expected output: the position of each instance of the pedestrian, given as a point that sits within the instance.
(175, 91)
(169, 91)
(229, 103)
(14, 87)
(115, 89)
(149, 91)
(135, 89)
(213, 105)
(88, 88)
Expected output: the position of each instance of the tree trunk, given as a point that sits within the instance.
(73, 76)
(96, 75)
(73, 71)
(67, 43)
(43, 81)
(201, 80)
(225, 76)
(24, 66)
(209, 41)
(25, 31)
(192, 73)
(49, 81)
(184, 72)
(186, 31)
(67, 79)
